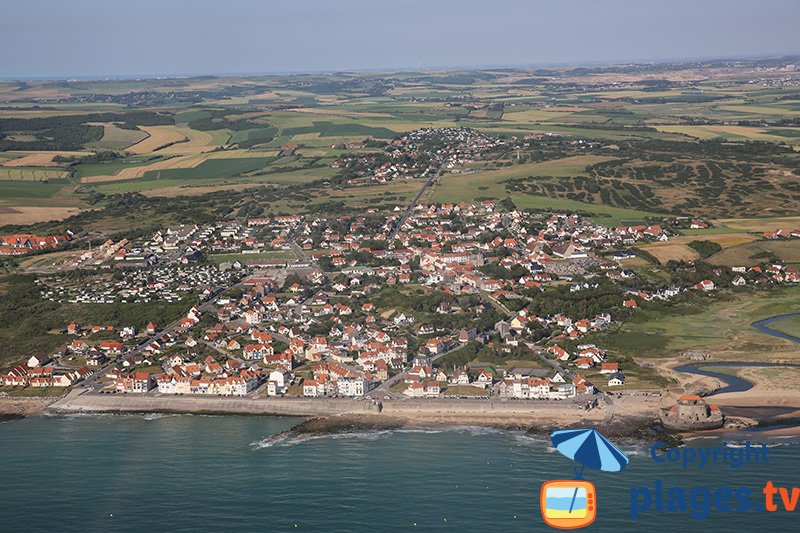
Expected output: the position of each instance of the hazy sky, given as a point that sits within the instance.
(79, 38)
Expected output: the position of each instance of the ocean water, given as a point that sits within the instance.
(223, 473)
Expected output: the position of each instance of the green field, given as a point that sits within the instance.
(790, 326)
(211, 169)
(262, 135)
(30, 189)
(115, 138)
(207, 173)
(737, 133)
(723, 328)
(30, 174)
(221, 173)
(330, 129)
(754, 252)
(113, 167)
(454, 188)
(491, 183)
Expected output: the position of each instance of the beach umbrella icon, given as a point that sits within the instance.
(589, 448)
(572, 504)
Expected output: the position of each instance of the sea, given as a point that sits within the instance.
(174, 473)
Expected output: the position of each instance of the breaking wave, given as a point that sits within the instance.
(291, 438)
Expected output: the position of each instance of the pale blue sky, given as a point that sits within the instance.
(81, 38)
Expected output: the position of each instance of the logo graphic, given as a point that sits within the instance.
(572, 504)
(568, 504)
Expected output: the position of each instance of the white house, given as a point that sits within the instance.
(39, 359)
(616, 380)
(352, 386)
(278, 382)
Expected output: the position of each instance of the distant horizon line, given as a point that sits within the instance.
(388, 70)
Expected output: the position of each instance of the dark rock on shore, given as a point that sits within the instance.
(347, 423)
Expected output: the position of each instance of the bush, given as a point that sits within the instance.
(705, 248)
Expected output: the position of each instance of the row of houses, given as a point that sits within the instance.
(17, 244)
(142, 382)
(48, 376)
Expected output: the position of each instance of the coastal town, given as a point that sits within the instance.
(463, 301)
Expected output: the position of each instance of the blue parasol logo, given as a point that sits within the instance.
(572, 504)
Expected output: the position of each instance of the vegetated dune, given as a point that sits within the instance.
(40, 159)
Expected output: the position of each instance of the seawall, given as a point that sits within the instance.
(414, 411)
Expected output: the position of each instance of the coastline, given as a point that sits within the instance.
(623, 418)
(19, 407)
(631, 415)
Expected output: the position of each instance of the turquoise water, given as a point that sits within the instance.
(190, 473)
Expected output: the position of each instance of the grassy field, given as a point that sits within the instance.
(40, 159)
(670, 251)
(30, 174)
(722, 329)
(466, 390)
(677, 247)
(736, 133)
(157, 137)
(113, 167)
(753, 252)
(762, 224)
(29, 189)
(138, 166)
(24, 215)
(210, 169)
(636, 378)
(790, 326)
(116, 138)
(255, 135)
(34, 392)
(454, 188)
